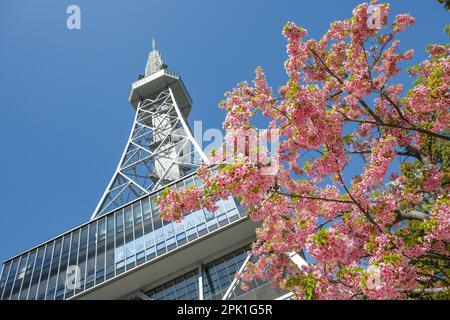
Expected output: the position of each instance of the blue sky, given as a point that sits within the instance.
(64, 113)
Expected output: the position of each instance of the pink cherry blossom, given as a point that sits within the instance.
(362, 185)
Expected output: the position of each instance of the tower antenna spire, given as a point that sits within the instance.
(153, 44)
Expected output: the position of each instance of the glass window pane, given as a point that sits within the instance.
(109, 259)
(82, 256)
(153, 202)
(45, 271)
(159, 235)
(4, 276)
(137, 213)
(10, 279)
(19, 277)
(73, 255)
(128, 217)
(50, 294)
(169, 234)
(146, 212)
(101, 229)
(130, 250)
(120, 242)
(36, 273)
(60, 284)
(149, 238)
(100, 254)
(90, 263)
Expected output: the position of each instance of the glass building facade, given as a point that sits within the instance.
(113, 244)
(217, 277)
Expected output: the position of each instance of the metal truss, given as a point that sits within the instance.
(297, 259)
(160, 150)
(234, 284)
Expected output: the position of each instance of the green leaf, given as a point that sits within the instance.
(321, 236)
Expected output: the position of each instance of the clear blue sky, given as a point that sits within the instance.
(65, 117)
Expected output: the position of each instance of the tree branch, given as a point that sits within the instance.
(368, 216)
(312, 197)
(412, 215)
(415, 128)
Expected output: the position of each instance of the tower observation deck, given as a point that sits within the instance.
(125, 250)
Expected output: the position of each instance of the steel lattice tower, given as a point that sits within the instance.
(161, 148)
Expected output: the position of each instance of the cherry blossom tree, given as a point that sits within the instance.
(363, 178)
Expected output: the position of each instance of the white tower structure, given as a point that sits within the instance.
(161, 148)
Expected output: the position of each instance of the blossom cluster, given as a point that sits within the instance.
(340, 197)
